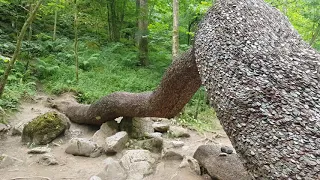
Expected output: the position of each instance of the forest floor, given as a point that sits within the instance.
(74, 167)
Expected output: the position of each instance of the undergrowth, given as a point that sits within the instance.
(103, 69)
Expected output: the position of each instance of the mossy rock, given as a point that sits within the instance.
(45, 128)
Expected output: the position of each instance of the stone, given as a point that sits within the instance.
(226, 149)
(6, 161)
(154, 145)
(160, 127)
(172, 154)
(83, 147)
(177, 144)
(95, 178)
(45, 128)
(137, 127)
(191, 163)
(116, 143)
(169, 170)
(112, 171)
(4, 128)
(39, 150)
(154, 135)
(18, 128)
(106, 129)
(176, 132)
(220, 167)
(138, 163)
(48, 160)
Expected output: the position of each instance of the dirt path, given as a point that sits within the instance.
(70, 167)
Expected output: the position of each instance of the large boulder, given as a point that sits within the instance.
(116, 143)
(138, 163)
(220, 167)
(45, 128)
(112, 171)
(106, 129)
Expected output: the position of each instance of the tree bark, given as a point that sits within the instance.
(142, 37)
(263, 81)
(261, 78)
(178, 85)
(175, 32)
(18, 47)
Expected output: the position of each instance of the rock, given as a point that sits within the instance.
(171, 154)
(83, 147)
(138, 163)
(106, 129)
(47, 160)
(191, 163)
(6, 161)
(154, 145)
(45, 128)
(154, 135)
(39, 150)
(95, 178)
(160, 127)
(4, 128)
(177, 144)
(206, 177)
(176, 131)
(137, 127)
(17, 129)
(226, 149)
(112, 171)
(169, 170)
(220, 167)
(116, 143)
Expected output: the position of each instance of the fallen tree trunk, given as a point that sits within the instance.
(263, 81)
(178, 85)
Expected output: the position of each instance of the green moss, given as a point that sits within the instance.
(44, 128)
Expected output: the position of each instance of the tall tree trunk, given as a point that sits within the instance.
(315, 35)
(76, 57)
(114, 32)
(55, 21)
(175, 33)
(143, 32)
(263, 81)
(178, 85)
(18, 47)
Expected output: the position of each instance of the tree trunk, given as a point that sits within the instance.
(261, 78)
(142, 35)
(76, 57)
(263, 82)
(178, 85)
(55, 21)
(114, 32)
(18, 47)
(175, 33)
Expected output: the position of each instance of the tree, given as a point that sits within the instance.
(18, 46)
(175, 33)
(76, 57)
(142, 35)
(262, 80)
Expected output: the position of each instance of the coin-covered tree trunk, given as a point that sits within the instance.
(261, 78)
(178, 85)
(263, 81)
